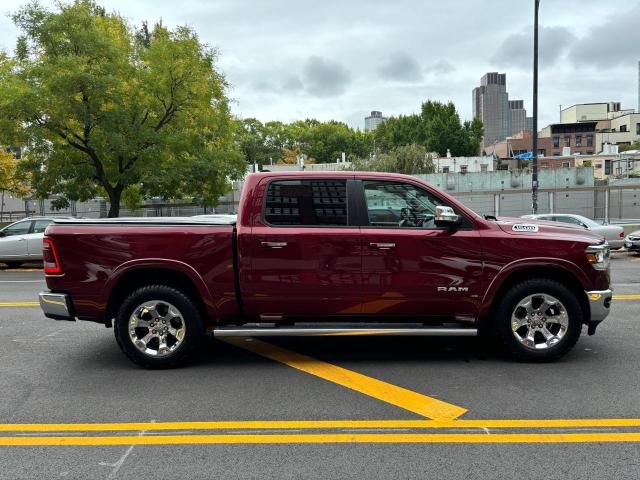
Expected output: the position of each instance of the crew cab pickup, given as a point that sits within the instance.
(329, 253)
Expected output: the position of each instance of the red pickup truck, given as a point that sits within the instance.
(315, 253)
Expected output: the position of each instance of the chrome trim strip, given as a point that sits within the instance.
(346, 331)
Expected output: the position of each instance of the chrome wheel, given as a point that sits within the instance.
(539, 321)
(156, 328)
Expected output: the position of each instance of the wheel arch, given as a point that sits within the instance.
(559, 272)
(137, 276)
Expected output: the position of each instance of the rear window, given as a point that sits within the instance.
(307, 203)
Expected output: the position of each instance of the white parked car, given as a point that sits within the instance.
(613, 234)
(632, 241)
(22, 241)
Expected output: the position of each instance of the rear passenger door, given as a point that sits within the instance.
(35, 236)
(305, 257)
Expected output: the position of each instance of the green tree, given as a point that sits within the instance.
(251, 137)
(438, 128)
(10, 178)
(408, 159)
(105, 109)
(398, 131)
(633, 146)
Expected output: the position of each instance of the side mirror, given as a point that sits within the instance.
(446, 217)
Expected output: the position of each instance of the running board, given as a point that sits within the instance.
(344, 331)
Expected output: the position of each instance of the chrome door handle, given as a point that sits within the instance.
(274, 244)
(382, 246)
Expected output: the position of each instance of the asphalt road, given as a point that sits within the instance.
(63, 374)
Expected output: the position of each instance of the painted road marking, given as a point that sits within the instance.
(23, 281)
(400, 397)
(19, 304)
(322, 424)
(324, 438)
(36, 304)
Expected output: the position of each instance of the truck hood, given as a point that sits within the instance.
(531, 228)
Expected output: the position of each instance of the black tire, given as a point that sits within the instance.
(190, 318)
(13, 264)
(502, 321)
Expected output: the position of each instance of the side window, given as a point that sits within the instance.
(570, 220)
(399, 205)
(20, 228)
(307, 203)
(39, 226)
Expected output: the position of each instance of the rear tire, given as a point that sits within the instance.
(159, 327)
(538, 320)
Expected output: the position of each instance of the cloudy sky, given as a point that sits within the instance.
(294, 59)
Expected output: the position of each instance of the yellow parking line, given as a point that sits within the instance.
(398, 396)
(19, 304)
(324, 438)
(322, 424)
(626, 297)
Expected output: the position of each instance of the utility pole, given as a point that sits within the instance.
(534, 159)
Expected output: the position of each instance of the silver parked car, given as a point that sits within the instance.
(613, 234)
(632, 241)
(22, 241)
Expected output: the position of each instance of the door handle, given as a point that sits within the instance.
(382, 246)
(274, 244)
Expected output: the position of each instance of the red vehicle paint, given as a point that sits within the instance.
(381, 263)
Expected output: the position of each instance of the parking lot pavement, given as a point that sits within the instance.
(315, 408)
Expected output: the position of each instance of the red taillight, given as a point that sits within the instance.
(50, 258)
(622, 234)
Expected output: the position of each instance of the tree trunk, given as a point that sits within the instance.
(115, 194)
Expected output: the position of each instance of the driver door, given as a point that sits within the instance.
(411, 267)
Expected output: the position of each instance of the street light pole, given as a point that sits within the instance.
(534, 134)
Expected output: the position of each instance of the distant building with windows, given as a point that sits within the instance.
(464, 164)
(372, 121)
(500, 116)
(607, 123)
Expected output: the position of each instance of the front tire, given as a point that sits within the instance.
(158, 326)
(538, 320)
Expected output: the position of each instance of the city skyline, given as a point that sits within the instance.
(287, 61)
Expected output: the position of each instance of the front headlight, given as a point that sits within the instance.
(599, 256)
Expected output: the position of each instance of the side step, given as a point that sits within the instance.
(334, 331)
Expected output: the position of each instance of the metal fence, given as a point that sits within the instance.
(610, 203)
(617, 203)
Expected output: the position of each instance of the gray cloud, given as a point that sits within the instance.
(614, 42)
(325, 78)
(517, 49)
(265, 49)
(440, 67)
(400, 67)
(292, 84)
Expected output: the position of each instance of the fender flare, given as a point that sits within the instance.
(163, 264)
(549, 264)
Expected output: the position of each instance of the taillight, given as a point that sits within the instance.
(50, 258)
(622, 234)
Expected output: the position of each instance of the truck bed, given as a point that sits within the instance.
(97, 253)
